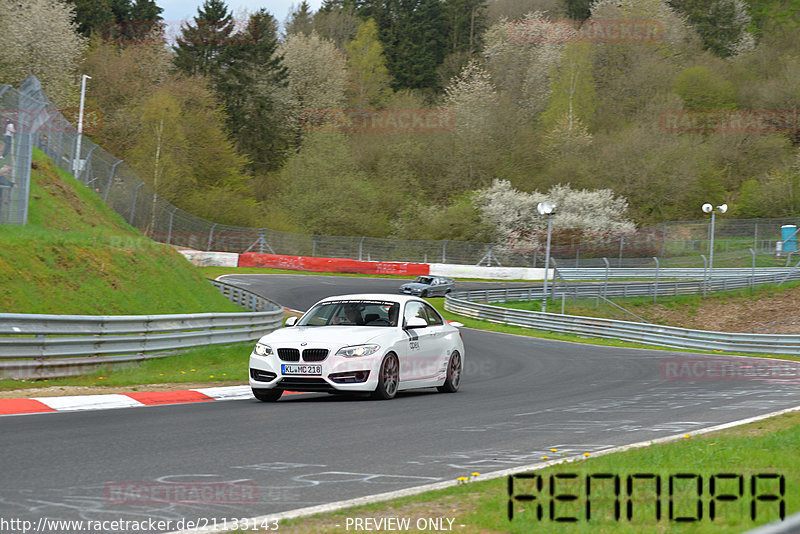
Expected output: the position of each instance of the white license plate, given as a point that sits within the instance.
(288, 369)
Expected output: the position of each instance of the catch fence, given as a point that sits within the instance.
(40, 124)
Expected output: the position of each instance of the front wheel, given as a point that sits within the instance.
(453, 379)
(267, 395)
(424, 293)
(388, 378)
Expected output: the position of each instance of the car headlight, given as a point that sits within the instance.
(262, 349)
(357, 350)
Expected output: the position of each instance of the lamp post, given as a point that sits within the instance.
(708, 208)
(77, 159)
(546, 208)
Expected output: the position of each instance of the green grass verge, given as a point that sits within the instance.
(768, 446)
(76, 256)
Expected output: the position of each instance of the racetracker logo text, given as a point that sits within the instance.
(731, 121)
(717, 369)
(378, 120)
(138, 493)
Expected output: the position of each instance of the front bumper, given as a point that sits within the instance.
(410, 291)
(338, 373)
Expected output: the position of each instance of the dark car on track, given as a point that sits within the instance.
(428, 286)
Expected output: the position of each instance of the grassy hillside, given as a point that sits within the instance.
(76, 256)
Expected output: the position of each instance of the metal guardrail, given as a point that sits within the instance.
(244, 298)
(475, 304)
(599, 273)
(38, 345)
(627, 289)
(667, 336)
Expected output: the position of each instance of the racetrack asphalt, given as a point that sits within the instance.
(519, 398)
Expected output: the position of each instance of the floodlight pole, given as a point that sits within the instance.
(547, 260)
(76, 160)
(711, 252)
(708, 208)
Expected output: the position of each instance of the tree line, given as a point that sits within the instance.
(244, 122)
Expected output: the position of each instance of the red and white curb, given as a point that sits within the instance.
(121, 400)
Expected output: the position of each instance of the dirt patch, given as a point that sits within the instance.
(767, 313)
(62, 391)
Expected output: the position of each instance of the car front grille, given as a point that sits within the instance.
(314, 355)
(289, 355)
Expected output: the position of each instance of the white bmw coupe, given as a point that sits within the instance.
(360, 343)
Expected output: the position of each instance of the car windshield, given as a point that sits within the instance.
(423, 280)
(352, 313)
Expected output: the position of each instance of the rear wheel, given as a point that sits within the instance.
(454, 370)
(267, 395)
(388, 378)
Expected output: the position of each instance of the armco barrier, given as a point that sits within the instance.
(629, 273)
(330, 265)
(43, 346)
(244, 298)
(463, 303)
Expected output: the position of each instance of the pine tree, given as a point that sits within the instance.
(144, 16)
(414, 35)
(121, 9)
(722, 24)
(579, 9)
(467, 23)
(92, 16)
(249, 82)
(200, 45)
(300, 20)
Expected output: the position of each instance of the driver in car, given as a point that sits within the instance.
(352, 316)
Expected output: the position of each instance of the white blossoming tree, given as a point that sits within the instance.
(520, 62)
(473, 102)
(518, 226)
(39, 38)
(317, 76)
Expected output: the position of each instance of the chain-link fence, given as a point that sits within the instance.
(737, 242)
(18, 112)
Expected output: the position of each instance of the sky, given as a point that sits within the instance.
(176, 11)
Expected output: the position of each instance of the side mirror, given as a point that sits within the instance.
(416, 322)
(290, 321)
(456, 324)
